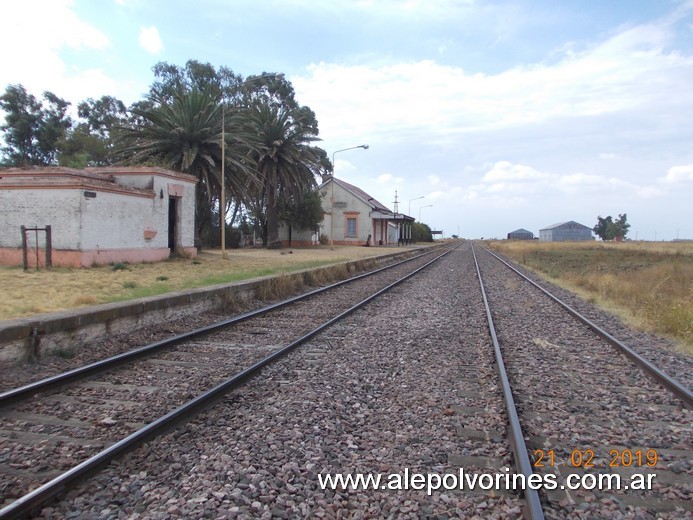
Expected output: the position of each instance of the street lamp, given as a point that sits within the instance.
(415, 198)
(421, 207)
(365, 147)
(222, 199)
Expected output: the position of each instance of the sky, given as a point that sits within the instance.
(481, 116)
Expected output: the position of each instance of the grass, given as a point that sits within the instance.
(650, 284)
(34, 292)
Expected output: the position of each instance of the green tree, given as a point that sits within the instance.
(91, 141)
(620, 227)
(601, 227)
(610, 229)
(306, 214)
(222, 83)
(33, 128)
(421, 232)
(286, 162)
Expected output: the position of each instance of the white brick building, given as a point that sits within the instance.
(97, 215)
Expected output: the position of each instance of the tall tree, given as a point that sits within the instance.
(610, 229)
(196, 75)
(601, 227)
(32, 128)
(91, 140)
(284, 158)
(621, 226)
(182, 131)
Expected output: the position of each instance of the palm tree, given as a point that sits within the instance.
(182, 132)
(283, 157)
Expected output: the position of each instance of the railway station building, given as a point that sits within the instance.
(570, 231)
(95, 216)
(359, 219)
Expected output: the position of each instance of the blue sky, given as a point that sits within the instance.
(501, 114)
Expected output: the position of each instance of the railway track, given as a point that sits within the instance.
(65, 427)
(410, 381)
(590, 406)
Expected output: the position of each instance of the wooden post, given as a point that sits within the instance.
(25, 260)
(37, 247)
(49, 248)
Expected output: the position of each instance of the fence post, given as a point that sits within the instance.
(49, 248)
(25, 260)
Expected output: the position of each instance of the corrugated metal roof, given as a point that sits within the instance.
(554, 226)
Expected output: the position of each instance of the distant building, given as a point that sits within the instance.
(520, 234)
(570, 231)
(359, 219)
(97, 215)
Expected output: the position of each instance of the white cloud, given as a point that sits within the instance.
(150, 40)
(631, 70)
(342, 166)
(46, 28)
(517, 182)
(388, 178)
(506, 171)
(679, 174)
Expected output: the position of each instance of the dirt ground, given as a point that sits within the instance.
(35, 292)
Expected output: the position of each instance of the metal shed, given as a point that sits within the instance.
(520, 234)
(565, 232)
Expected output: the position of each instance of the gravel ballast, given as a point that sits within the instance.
(397, 386)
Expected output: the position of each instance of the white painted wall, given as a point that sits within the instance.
(59, 208)
(116, 221)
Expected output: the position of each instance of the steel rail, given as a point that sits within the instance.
(661, 377)
(534, 510)
(52, 489)
(26, 391)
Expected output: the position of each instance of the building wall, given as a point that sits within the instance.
(297, 237)
(392, 233)
(520, 236)
(37, 208)
(117, 221)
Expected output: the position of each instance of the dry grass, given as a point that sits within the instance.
(648, 283)
(32, 292)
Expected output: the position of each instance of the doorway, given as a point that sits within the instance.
(172, 224)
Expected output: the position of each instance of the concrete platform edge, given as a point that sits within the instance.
(34, 336)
